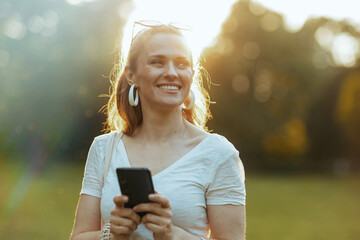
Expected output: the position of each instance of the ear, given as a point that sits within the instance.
(129, 75)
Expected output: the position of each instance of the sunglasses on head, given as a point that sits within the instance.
(155, 24)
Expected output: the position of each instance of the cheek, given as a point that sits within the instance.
(144, 74)
(187, 74)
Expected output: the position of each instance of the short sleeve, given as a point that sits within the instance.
(228, 183)
(93, 174)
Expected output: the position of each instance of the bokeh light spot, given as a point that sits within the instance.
(270, 22)
(224, 46)
(51, 18)
(345, 49)
(14, 28)
(324, 36)
(256, 8)
(241, 83)
(262, 93)
(263, 86)
(79, 2)
(36, 24)
(74, 2)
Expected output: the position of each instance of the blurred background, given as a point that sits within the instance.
(287, 96)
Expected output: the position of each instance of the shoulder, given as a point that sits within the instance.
(105, 137)
(221, 143)
(216, 150)
(228, 155)
(101, 140)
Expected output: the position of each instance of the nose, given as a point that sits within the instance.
(171, 72)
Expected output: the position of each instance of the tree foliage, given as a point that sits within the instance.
(271, 82)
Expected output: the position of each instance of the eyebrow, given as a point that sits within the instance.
(163, 56)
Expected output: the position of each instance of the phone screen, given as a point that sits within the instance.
(136, 183)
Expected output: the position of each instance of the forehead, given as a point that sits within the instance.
(166, 44)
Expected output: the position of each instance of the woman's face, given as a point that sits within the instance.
(164, 73)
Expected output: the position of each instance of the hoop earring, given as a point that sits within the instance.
(133, 102)
(192, 101)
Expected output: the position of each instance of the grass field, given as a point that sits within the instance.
(41, 206)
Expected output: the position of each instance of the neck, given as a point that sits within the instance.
(161, 126)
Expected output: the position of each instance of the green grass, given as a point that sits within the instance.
(281, 208)
(46, 210)
(306, 207)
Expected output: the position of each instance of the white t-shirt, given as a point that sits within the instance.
(210, 174)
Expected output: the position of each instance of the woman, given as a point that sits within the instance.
(198, 177)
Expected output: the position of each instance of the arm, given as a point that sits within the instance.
(88, 219)
(227, 221)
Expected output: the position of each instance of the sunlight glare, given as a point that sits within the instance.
(78, 2)
(345, 49)
(205, 18)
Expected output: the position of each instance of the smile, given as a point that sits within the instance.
(171, 87)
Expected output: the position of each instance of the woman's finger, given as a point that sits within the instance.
(158, 198)
(154, 208)
(155, 219)
(156, 228)
(119, 200)
(123, 222)
(120, 230)
(126, 213)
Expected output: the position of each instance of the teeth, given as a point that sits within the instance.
(169, 87)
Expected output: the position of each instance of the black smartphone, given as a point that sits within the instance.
(136, 183)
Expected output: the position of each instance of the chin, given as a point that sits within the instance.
(170, 105)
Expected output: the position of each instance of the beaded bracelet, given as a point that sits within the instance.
(105, 235)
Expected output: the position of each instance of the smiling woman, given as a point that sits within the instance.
(163, 52)
(156, 123)
(167, 52)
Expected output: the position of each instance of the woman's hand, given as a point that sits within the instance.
(159, 217)
(123, 220)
